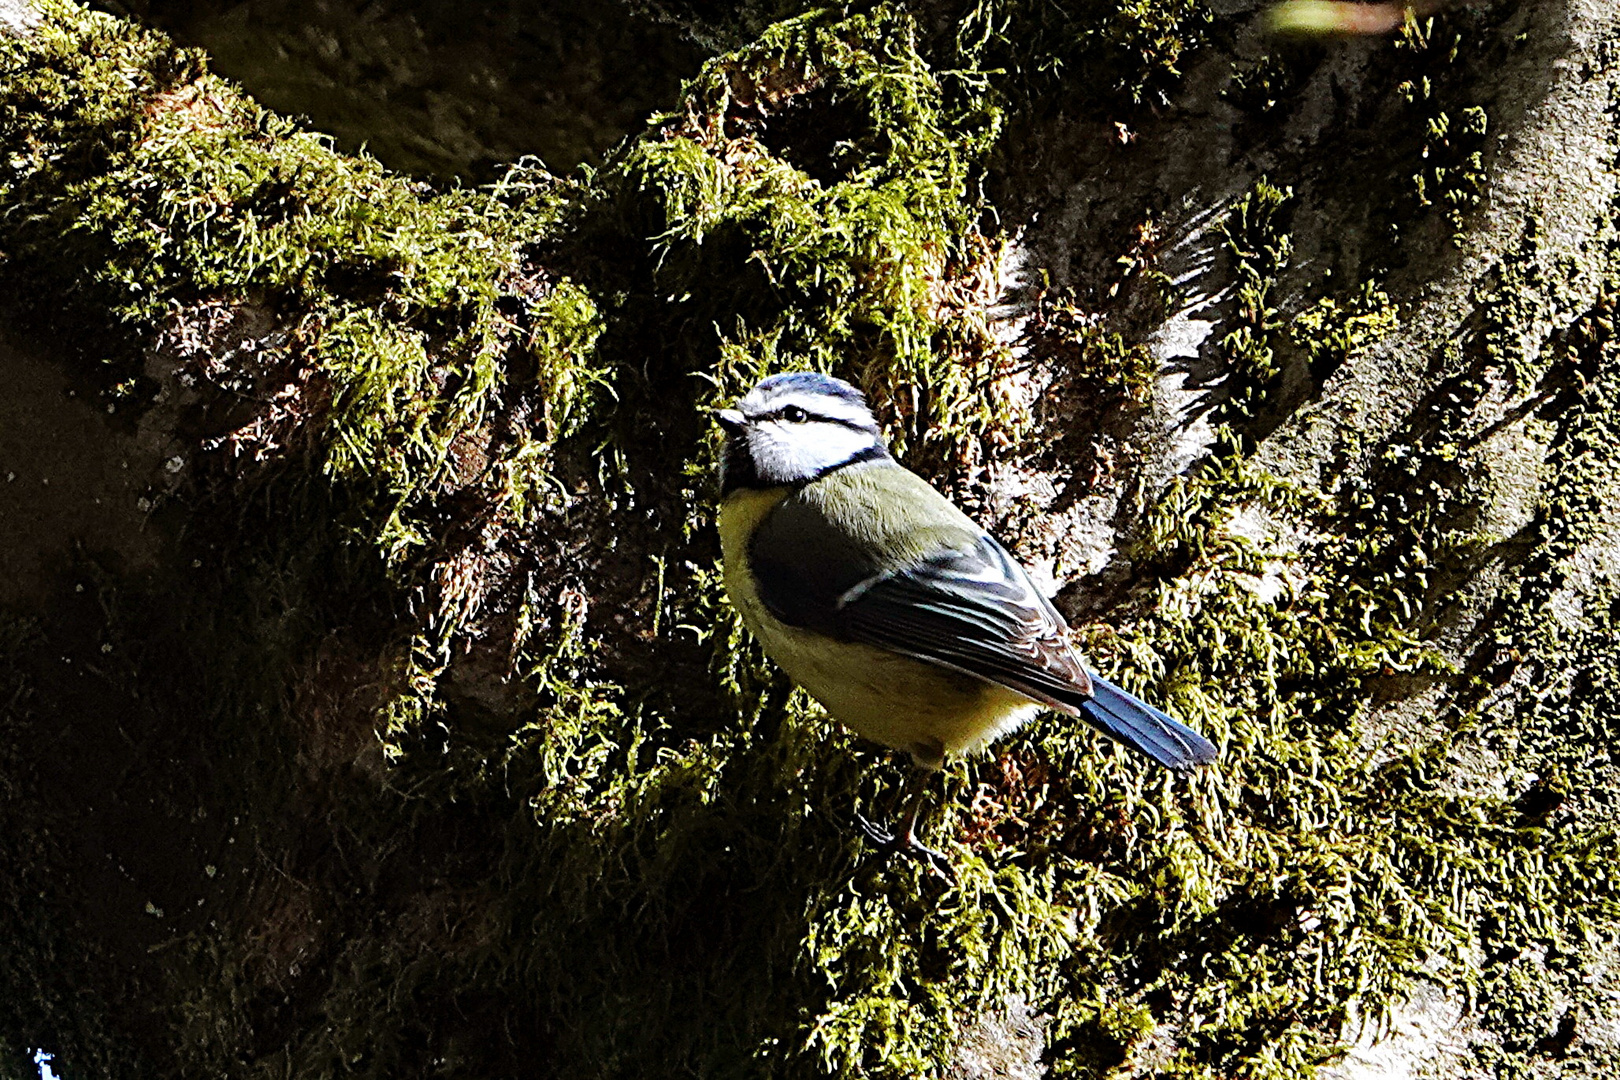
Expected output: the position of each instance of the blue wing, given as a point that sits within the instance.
(976, 611)
(973, 610)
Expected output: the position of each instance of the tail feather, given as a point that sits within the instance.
(1142, 727)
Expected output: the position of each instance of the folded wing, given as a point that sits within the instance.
(976, 611)
(973, 610)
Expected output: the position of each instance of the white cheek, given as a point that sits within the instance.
(800, 451)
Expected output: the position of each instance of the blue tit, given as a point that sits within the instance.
(904, 619)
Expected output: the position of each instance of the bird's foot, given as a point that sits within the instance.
(908, 845)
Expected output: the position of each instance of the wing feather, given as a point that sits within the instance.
(972, 609)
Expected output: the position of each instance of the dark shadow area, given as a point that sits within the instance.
(197, 818)
(440, 89)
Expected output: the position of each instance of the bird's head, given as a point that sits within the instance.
(793, 428)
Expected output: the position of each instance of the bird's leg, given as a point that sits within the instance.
(905, 842)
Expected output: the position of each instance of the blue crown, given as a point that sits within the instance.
(811, 382)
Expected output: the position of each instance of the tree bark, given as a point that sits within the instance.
(368, 702)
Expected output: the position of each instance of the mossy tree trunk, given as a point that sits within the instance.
(368, 704)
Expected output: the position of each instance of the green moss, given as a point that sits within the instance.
(1405, 869)
(1259, 245)
(1452, 176)
(1329, 332)
(1100, 57)
(1265, 341)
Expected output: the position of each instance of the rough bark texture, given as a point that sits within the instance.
(368, 705)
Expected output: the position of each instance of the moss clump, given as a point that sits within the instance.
(1259, 245)
(841, 253)
(1453, 174)
(1330, 331)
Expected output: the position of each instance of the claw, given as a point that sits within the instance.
(906, 843)
(874, 832)
(934, 861)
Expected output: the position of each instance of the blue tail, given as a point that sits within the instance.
(1142, 727)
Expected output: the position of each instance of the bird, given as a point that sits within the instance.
(904, 619)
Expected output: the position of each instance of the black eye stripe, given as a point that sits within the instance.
(798, 414)
(808, 416)
(815, 418)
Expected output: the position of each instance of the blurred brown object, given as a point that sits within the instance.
(1342, 17)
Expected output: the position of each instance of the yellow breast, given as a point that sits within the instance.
(888, 698)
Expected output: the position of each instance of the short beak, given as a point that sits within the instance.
(732, 420)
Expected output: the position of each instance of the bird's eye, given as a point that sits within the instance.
(795, 415)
